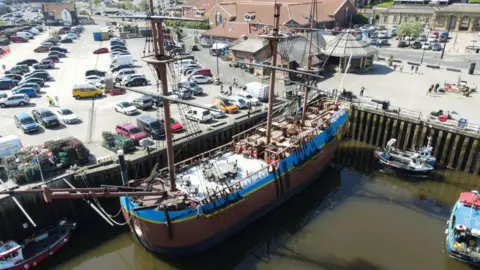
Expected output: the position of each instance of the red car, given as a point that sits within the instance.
(15, 39)
(130, 131)
(100, 51)
(175, 126)
(436, 34)
(443, 39)
(55, 59)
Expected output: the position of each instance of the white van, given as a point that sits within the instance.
(200, 115)
(118, 76)
(258, 90)
(9, 145)
(24, 35)
(122, 60)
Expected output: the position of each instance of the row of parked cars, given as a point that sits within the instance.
(25, 81)
(25, 35)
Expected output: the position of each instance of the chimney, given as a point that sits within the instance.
(249, 29)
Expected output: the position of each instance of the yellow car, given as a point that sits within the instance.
(225, 105)
(86, 91)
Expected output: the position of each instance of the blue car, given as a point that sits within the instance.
(25, 122)
(7, 84)
(373, 42)
(436, 47)
(29, 91)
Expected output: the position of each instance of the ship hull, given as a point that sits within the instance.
(158, 232)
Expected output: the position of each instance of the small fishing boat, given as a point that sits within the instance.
(409, 163)
(33, 250)
(463, 229)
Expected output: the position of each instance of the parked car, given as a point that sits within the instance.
(14, 100)
(126, 108)
(432, 38)
(27, 62)
(416, 45)
(116, 69)
(192, 86)
(195, 48)
(56, 53)
(436, 46)
(28, 85)
(58, 49)
(143, 103)
(55, 59)
(130, 131)
(14, 77)
(200, 79)
(402, 44)
(251, 99)
(45, 117)
(7, 84)
(199, 115)
(118, 48)
(94, 79)
(225, 105)
(175, 126)
(66, 40)
(95, 72)
(46, 64)
(151, 126)
(43, 74)
(18, 69)
(216, 113)
(16, 39)
(25, 122)
(239, 102)
(38, 81)
(373, 42)
(30, 92)
(135, 81)
(67, 116)
(426, 46)
(41, 49)
(119, 75)
(101, 51)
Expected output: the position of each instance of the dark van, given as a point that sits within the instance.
(151, 126)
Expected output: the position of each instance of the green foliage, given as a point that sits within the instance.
(96, 3)
(143, 6)
(191, 25)
(83, 12)
(409, 29)
(360, 19)
(128, 4)
(387, 3)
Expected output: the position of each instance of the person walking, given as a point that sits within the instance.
(230, 88)
(50, 101)
(416, 70)
(221, 88)
(411, 69)
(430, 89)
(401, 68)
(437, 85)
(4, 67)
(361, 91)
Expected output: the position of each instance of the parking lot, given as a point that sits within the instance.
(71, 70)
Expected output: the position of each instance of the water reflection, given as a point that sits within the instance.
(352, 218)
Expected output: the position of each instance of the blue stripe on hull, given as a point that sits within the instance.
(195, 249)
(298, 157)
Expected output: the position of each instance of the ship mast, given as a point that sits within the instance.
(273, 43)
(309, 68)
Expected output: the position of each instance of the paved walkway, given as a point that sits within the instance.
(409, 91)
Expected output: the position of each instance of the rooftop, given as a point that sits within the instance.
(250, 45)
(461, 8)
(345, 44)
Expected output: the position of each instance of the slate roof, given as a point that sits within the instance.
(250, 45)
(345, 44)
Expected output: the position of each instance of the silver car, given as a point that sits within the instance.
(14, 100)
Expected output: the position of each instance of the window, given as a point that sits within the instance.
(200, 13)
(385, 19)
(395, 18)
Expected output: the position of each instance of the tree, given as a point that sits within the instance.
(409, 29)
(360, 19)
(127, 4)
(143, 6)
(96, 3)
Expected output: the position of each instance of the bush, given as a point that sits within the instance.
(360, 19)
(83, 12)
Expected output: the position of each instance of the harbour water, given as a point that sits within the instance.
(355, 217)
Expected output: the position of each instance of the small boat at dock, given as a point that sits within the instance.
(33, 250)
(463, 229)
(406, 162)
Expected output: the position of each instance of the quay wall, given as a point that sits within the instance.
(454, 148)
(15, 225)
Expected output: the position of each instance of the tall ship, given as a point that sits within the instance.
(208, 197)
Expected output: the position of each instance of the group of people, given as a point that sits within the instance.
(433, 87)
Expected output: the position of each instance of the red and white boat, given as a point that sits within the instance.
(33, 250)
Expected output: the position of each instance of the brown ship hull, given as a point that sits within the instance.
(204, 231)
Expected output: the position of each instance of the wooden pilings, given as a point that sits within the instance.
(456, 149)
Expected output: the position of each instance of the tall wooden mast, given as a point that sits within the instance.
(308, 68)
(273, 39)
